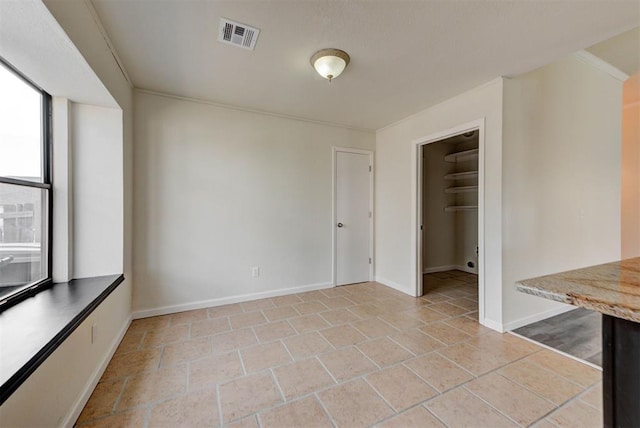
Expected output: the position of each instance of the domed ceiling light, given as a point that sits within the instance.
(330, 63)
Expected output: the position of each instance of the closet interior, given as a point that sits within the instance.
(450, 212)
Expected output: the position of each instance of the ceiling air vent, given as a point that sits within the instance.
(237, 34)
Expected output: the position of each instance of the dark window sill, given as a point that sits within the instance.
(32, 329)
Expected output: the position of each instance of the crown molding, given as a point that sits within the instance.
(600, 64)
(107, 40)
(250, 110)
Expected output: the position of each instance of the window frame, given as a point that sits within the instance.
(47, 183)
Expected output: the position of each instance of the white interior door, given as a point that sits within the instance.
(353, 216)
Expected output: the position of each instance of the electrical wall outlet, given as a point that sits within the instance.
(94, 333)
(255, 271)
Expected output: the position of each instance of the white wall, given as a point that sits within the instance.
(561, 177)
(221, 190)
(56, 392)
(78, 19)
(62, 269)
(466, 221)
(97, 191)
(77, 364)
(631, 167)
(396, 184)
(467, 235)
(439, 227)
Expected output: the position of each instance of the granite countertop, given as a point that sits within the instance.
(612, 288)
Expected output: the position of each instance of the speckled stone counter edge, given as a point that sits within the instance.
(556, 287)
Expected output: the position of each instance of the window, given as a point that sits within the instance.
(25, 186)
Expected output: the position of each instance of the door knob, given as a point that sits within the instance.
(340, 224)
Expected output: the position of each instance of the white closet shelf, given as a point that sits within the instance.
(461, 156)
(461, 175)
(461, 208)
(461, 189)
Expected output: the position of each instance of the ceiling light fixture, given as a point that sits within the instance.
(330, 63)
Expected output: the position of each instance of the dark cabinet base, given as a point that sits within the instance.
(621, 372)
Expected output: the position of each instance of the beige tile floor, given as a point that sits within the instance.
(353, 356)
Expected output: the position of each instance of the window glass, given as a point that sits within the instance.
(25, 187)
(20, 128)
(23, 225)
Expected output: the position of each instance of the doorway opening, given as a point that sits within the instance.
(449, 217)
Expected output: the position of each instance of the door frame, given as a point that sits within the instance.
(478, 125)
(334, 195)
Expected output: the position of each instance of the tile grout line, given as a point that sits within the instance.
(117, 401)
(474, 376)
(464, 384)
(455, 328)
(545, 416)
(576, 397)
(293, 360)
(551, 422)
(456, 364)
(424, 380)
(395, 414)
(424, 405)
(402, 346)
(579, 397)
(497, 372)
(365, 355)
(147, 418)
(324, 409)
(244, 369)
(219, 404)
(275, 380)
(560, 374)
(377, 300)
(557, 351)
(379, 394)
(188, 369)
(492, 406)
(552, 373)
(327, 370)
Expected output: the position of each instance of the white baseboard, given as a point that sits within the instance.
(537, 317)
(72, 417)
(467, 269)
(439, 269)
(396, 286)
(493, 325)
(164, 310)
(449, 267)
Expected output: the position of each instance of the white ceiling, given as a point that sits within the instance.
(622, 51)
(405, 55)
(32, 41)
